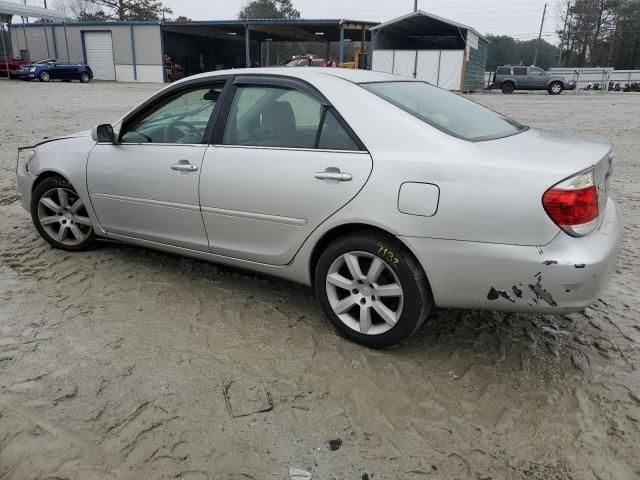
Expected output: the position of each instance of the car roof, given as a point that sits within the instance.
(351, 75)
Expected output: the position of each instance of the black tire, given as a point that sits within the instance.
(417, 297)
(43, 188)
(84, 77)
(555, 88)
(508, 88)
(44, 77)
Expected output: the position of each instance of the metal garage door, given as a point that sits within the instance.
(99, 51)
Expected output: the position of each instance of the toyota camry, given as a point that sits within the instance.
(390, 196)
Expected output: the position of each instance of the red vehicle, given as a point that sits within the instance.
(14, 66)
(305, 61)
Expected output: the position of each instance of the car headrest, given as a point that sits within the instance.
(278, 119)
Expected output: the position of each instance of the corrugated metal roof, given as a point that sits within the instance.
(422, 13)
(19, 9)
(266, 21)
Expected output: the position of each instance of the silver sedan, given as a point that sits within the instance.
(389, 195)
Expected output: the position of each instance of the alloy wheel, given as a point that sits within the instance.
(369, 303)
(64, 217)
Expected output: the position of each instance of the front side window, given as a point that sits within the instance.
(536, 72)
(181, 118)
(272, 116)
(446, 111)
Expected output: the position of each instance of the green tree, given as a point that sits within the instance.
(280, 9)
(505, 50)
(114, 9)
(602, 33)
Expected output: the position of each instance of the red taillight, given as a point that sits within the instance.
(573, 204)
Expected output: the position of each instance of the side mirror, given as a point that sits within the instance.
(103, 133)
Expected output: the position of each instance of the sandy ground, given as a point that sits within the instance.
(115, 363)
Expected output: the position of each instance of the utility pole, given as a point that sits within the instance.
(535, 55)
(415, 5)
(564, 32)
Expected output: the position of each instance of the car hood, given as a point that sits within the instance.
(84, 133)
(536, 149)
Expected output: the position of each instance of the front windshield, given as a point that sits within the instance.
(446, 111)
(45, 61)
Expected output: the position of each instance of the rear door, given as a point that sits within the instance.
(522, 79)
(282, 162)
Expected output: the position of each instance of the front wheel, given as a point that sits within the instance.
(555, 88)
(84, 77)
(44, 76)
(372, 289)
(60, 216)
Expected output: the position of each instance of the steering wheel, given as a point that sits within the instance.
(169, 132)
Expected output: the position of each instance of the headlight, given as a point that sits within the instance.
(25, 155)
(32, 69)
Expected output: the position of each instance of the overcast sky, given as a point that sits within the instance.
(518, 18)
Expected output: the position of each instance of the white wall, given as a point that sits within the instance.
(438, 67)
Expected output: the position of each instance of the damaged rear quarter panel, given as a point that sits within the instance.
(565, 275)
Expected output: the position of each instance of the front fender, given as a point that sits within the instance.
(557, 79)
(67, 157)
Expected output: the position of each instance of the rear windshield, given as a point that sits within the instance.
(446, 111)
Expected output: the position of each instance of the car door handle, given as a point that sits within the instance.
(184, 167)
(334, 175)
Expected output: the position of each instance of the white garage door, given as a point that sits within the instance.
(100, 55)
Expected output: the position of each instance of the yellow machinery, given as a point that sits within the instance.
(359, 61)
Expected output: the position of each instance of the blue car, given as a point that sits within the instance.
(55, 69)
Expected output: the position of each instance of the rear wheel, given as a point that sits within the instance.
(555, 88)
(60, 216)
(372, 289)
(44, 76)
(84, 77)
(508, 87)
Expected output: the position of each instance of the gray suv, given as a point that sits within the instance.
(510, 78)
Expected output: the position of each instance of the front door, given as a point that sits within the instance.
(284, 163)
(60, 70)
(146, 185)
(537, 78)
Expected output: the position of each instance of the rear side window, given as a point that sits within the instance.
(504, 71)
(333, 136)
(451, 113)
(271, 116)
(519, 70)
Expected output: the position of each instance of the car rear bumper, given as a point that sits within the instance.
(566, 275)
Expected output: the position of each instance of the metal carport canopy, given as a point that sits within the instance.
(301, 30)
(8, 9)
(288, 30)
(420, 29)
